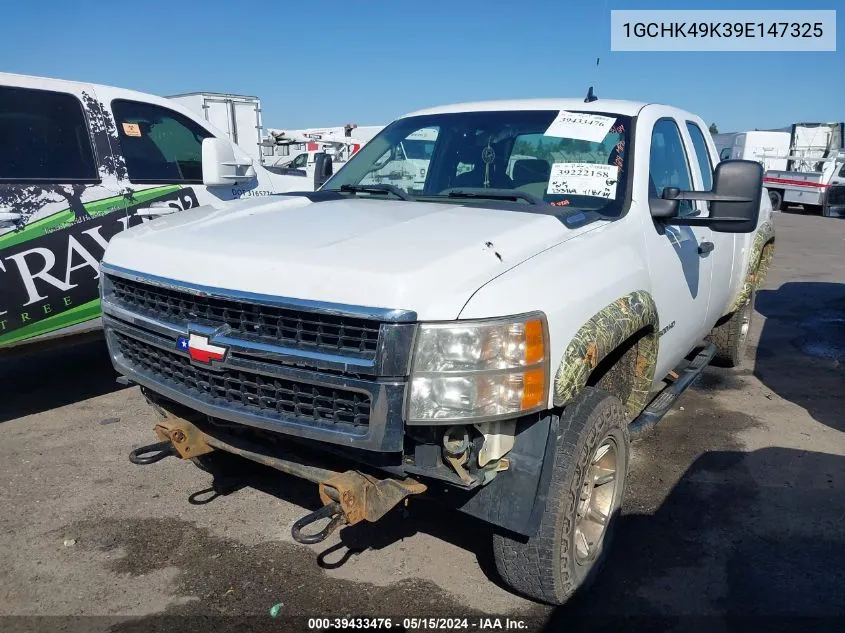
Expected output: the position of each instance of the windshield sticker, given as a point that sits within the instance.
(580, 126)
(131, 129)
(583, 179)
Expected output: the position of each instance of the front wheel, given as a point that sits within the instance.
(776, 198)
(583, 502)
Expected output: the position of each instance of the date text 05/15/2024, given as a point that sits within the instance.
(419, 624)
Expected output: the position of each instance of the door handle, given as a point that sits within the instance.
(155, 210)
(705, 247)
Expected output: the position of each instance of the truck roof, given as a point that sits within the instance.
(627, 108)
(36, 81)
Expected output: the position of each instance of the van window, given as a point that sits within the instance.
(668, 164)
(44, 137)
(160, 145)
(702, 154)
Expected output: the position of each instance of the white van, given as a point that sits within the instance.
(80, 163)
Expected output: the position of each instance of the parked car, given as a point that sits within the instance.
(488, 336)
(80, 163)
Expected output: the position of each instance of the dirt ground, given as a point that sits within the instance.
(734, 518)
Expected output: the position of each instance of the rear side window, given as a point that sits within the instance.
(701, 154)
(44, 137)
(160, 145)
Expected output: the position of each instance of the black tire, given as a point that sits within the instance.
(731, 336)
(776, 198)
(547, 567)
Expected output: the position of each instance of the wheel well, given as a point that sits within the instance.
(617, 373)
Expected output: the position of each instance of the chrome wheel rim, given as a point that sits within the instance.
(745, 326)
(595, 505)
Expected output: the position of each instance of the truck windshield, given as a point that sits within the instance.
(564, 159)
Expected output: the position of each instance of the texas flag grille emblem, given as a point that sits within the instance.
(199, 349)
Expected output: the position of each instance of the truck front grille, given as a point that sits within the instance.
(274, 325)
(237, 389)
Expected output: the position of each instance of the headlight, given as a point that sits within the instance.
(479, 370)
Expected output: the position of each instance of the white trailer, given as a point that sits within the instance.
(815, 164)
(237, 115)
(771, 149)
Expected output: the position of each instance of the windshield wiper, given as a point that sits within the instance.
(396, 191)
(492, 194)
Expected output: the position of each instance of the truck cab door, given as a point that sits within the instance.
(725, 245)
(679, 256)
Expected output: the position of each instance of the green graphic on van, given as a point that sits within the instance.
(49, 270)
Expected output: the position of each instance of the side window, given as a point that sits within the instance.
(159, 145)
(44, 137)
(668, 164)
(702, 154)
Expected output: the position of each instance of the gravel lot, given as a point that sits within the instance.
(734, 518)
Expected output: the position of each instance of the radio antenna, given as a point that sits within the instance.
(599, 41)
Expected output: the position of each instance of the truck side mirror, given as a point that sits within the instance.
(323, 169)
(222, 165)
(734, 200)
(743, 180)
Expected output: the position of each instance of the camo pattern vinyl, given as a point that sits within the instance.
(762, 252)
(603, 333)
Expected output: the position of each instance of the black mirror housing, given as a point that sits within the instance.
(734, 200)
(323, 169)
(742, 179)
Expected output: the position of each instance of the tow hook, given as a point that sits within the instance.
(352, 497)
(332, 510)
(152, 453)
(178, 437)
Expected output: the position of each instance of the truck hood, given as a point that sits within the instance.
(426, 257)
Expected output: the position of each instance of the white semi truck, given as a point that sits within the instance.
(488, 334)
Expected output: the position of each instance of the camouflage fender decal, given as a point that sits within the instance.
(762, 251)
(602, 334)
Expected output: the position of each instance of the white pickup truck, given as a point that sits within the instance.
(490, 336)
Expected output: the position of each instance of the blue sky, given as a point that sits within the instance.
(329, 62)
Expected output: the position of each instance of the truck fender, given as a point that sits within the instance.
(762, 252)
(602, 334)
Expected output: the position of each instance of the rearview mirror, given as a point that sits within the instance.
(323, 169)
(734, 200)
(223, 164)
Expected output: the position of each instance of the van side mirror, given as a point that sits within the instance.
(223, 165)
(734, 200)
(323, 169)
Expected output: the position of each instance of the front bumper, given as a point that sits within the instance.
(291, 396)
